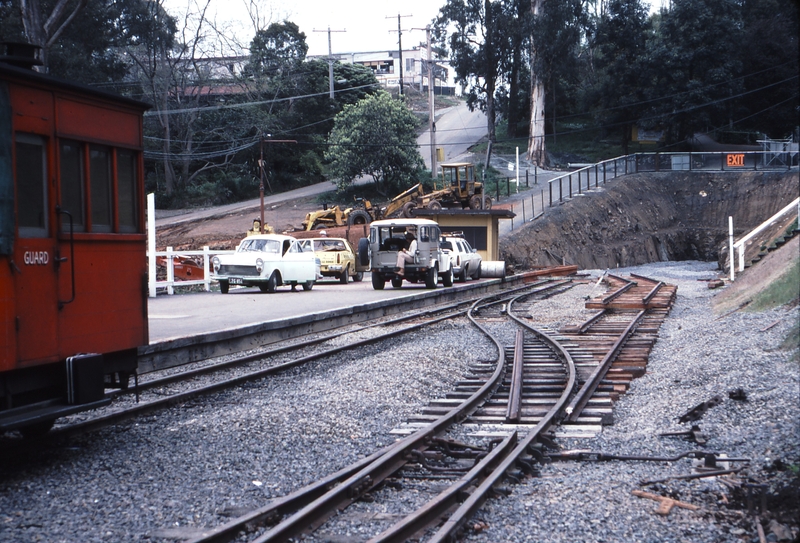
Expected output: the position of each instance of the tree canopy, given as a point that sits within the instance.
(376, 137)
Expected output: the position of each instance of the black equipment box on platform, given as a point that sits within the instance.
(85, 381)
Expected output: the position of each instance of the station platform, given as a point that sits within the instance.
(196, 326)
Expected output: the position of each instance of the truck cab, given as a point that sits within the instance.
(388, 237)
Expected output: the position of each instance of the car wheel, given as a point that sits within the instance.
(462, 277)
(397, 282)
(308, 285)
(378, 281)
(344, 278)
(475, 202)
(263, 288)
(409, 209)
(434, 205)
(358, 277)
(447, 279)
(223, 287)
(477, 273)
(272, 284)
(432, 277)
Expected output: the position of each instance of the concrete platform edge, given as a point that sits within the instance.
(185, 350)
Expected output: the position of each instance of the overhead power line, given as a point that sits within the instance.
(249, 104)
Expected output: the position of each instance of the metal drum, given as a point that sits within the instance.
(496, 268)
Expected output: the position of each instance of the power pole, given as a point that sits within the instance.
(330, 58)
(400, 47)
(431, 107)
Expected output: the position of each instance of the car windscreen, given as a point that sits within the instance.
(260, 245)
(328, 245)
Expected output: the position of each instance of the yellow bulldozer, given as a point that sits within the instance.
(459, 190)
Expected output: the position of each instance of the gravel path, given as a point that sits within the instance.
(161, 478)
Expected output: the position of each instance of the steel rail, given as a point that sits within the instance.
(658, 286)
(621, 290)
(307, 496)
(183, 375)
(107, 419)
(432, 511)
(515, 392)
(580, 329)
(448, 530)
(351, 489)
(590, 385)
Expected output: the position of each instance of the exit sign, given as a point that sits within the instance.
(736, 160)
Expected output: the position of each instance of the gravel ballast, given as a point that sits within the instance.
(166, 476)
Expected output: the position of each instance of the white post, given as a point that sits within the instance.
(517, 169)
(206, 273)
(730, 248)
(151, 244)
(170, 272)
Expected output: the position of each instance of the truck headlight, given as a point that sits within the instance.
(259, 265)
(215, 263)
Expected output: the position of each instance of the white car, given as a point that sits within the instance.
(267, 261)
(464, 258)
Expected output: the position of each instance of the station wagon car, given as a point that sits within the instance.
(336, 258)
(464, 258)
(267, 261)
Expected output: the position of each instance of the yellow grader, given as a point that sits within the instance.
(459, 190)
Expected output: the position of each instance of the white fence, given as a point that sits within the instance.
(154, 284)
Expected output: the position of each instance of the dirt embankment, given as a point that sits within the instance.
(650, 217)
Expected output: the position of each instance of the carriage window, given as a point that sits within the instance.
(72, 185)
(126, 191)
(100, 183)
(31, 186)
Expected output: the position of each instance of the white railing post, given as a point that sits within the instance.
(170, 271)
(151, 245)
(206, 273)
(730, 249)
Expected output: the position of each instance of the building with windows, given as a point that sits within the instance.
(386, 67)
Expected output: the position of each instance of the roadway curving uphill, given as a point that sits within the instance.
(650, 217)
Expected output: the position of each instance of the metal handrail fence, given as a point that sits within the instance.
(567, 186)
(727, 161)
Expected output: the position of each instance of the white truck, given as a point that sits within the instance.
(388, 237)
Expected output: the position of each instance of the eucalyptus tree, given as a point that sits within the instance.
(557, 28)
(619, 46)
(693, 69)
(475, 34)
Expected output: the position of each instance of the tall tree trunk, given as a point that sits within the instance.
(513, 93)
(536, 148)
(45, 33)
(490, 71)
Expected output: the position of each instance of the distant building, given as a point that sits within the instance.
(386, 67)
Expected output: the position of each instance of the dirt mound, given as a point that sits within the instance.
(224, 232)
(650, 217)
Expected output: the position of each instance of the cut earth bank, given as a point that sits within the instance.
(651, 217)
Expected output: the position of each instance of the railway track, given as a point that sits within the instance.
(158, 390)
(460, 449)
